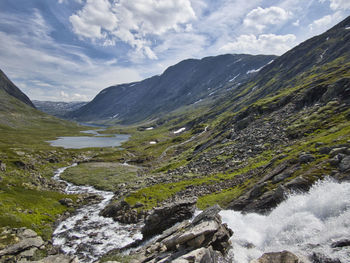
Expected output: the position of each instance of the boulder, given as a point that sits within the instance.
(299, 184)
(335, 160)
(199, 255)
(324, 150)
(267, 201)
(281, 177)
(261, 204)
(164, 217)
(306, 158)
(204, 240)
(341, 243)
(27, 240)
(123, 212)
(338, 89)
(345, 164)
(205, 230)
(279, 257)
(320, 258)
(336, 151)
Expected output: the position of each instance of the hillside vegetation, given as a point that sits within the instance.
(277, 133)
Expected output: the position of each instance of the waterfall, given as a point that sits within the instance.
(303, 224)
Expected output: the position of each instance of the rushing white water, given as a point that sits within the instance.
(88, 235)
(303, 224)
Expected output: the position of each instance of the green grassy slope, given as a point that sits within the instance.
(28, 197)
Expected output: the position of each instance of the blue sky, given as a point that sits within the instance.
(69, 50)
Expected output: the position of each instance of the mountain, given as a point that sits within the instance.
(307, 59)
(8, 87)
(185, 83)
(281, 131)
(58, 109)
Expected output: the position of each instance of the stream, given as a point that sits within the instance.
(88, 235)
(305, 223)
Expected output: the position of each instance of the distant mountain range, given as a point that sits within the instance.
(185, 83)
(58, 108)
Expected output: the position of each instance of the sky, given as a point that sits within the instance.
(69, 50)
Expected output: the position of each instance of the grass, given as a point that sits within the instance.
(102, 175)
(35, 209)
(153, 195)
(25, 200)
(222, 198)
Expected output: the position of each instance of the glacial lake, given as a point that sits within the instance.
(98, 140)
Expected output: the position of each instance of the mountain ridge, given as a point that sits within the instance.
(11, 89)
(58, 108)
(182, 84)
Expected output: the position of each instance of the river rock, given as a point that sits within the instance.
(122, 212)
(320, 258)
(279, 257)
(341, 243)
(205, 239)
(164, 217)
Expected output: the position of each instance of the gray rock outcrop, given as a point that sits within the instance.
(205, 239)
(166, 216)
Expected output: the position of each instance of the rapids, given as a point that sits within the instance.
(303, 224)
(88, 235)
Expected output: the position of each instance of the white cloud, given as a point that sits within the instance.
(263, 44)
(66, 1)
(340, 4)
(131, 21)
(324, 23)
(260, 18)
(296, 23)
(95, 17)
(64, 95)
(42, 68)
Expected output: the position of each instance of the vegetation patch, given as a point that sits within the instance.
(37, 210)
(102, 175)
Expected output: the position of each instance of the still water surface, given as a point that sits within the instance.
(98, 140)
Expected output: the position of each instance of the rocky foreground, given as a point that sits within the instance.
(203, 239)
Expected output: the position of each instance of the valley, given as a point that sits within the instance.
(262, 144)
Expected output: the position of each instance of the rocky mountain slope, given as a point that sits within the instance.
(279, 132)
(9, 88)
(185, 83)
(58, 108)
